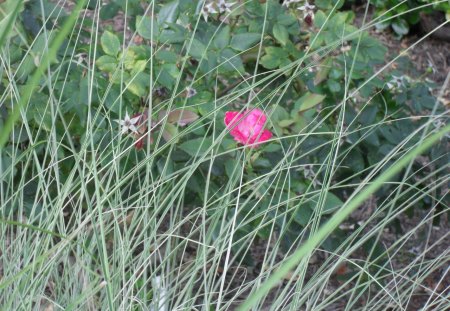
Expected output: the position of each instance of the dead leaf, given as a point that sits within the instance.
(181, 117)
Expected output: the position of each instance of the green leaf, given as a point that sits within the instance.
(278, 52)
(274, 57)
(286, 19)
(107, 63)
(197, 146)
(109, 10)
(328, 5)
(168, 14)
(308, 101)
(138, 66)
(319, 19)
(222, 38)
(168, 74)
(110, 43)
(286, 123)
(146, 28)
(230, 61)
(333, 85)
(400, 27)
(270, 61)
(271, 147)
(7, 20)
(281, 34)
(138, 84)
(332, 203)
(368, 115)
(170, 131)
(173, 34)
(262, 162)
(172, 70)
(244, 41)
(323, 71)
(303, 214)
(166, 56)
(197, 50)
(327, 228)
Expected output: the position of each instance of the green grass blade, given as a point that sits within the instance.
(337, 219)
(47, 58)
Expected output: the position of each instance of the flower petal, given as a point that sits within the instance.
(231, 117)
(135, 119)
(132, 128)
(266, 135)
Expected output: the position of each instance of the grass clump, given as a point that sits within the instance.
(216, 155)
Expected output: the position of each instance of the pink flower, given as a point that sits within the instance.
(247, 128)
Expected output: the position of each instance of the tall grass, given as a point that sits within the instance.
(96, 245)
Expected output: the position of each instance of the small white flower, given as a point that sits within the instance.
(207, 10)
(224, 6)
(190, 92)
(345, 48)
(396, 82)
(439, 124)
(288, 2)
(309, 174)
(128, 124)
(307, 7)
(80, 58)
(308, 12)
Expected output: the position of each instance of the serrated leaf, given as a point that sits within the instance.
(244, 41)
(110, 43)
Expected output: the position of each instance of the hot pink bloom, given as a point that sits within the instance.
(248, 128)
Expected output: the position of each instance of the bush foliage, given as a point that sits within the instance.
(337, 115)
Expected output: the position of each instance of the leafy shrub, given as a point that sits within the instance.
(171, 84)
(401, 15)
(184, 59)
